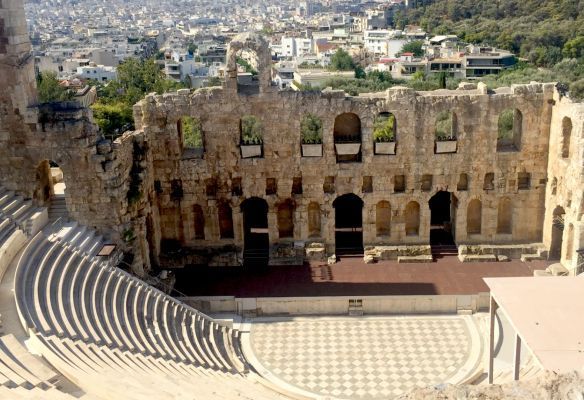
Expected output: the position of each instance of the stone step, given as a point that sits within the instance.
(477, 258)
(426, 258)
(530, 257)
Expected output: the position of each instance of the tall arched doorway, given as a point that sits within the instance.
(348, 224)
(50, 189)
(442, 213)
(256, 240)
(555, 252)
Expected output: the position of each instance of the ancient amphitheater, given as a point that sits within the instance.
(84, 222)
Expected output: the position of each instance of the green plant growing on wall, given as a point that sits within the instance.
(192, 133)
(128, 235)
(443, 125)
(311, 129)
(251, 130)
(384, 128)
(505, 124)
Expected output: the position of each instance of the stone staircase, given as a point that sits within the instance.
(21, 212)
(58, 208)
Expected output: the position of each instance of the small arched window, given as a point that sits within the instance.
(510, 126)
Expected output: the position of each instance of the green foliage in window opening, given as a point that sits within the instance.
(384, 128)
(192, 134)
(251, 130)
(444, 125)
(311, 129)
(506, 124)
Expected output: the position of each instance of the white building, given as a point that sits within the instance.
(99, 73)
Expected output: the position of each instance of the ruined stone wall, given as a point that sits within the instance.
(145, 187)
(565, 189)
(280, 113)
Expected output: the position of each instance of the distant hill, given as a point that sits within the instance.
(542, 31)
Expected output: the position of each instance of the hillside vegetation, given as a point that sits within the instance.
(546, 33)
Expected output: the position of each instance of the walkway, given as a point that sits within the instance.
(350, 277)
(365, 357)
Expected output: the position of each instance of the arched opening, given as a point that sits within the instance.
(225, 215)
(286, 219)
(251, 136)
(385, 133)
(347, 137)
(570, 244)
(348, 224)
(256, 240)
(199, 222)
(566, 135)
(314, 220)
(510, 126)
(555, 252)
(505, 216)
(441, 212)
(445, 132)
(383, 218)
(247, 63)
(50, 189)
(474, 216)
(311, 129)
(412, 218)
(190, 136)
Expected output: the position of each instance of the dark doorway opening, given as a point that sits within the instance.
(555, 252)
(442, 207)
(256, 240)
(348, 224)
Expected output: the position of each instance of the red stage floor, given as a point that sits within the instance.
(350, 276)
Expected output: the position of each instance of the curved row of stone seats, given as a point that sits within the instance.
(93, 322)
(97, 370)
(65, 293)
(18, 368)
(19, 393)
(12, 240)
(29, 218)
(77, 237)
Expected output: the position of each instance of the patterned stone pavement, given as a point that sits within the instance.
(362, 357)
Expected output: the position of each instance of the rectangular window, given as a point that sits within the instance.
(329, 184)
(523, 180)
(297, 185)
(399, 183)
(236, 188)
(367, 184)
(271, 186)
(211, 187)
(426, 185)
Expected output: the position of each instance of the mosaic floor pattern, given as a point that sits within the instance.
(363, 357)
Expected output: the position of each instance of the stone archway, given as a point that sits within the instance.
(256, 44)
(50, 189)
(442, 213)
(256, 239)
(348, 224)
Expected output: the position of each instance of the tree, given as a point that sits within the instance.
(414, 47)
(574, 48)
(192, 48)
(113, 119)
(50, 89)
(135, 79)
(359, 72)
(341, 61)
